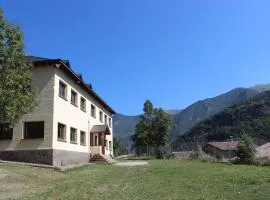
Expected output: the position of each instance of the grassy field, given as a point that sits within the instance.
(165, 179)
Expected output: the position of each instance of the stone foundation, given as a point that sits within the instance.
(53, 157)
(41, 156)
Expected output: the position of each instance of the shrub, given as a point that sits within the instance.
(246, 150)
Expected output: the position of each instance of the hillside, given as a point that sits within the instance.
(251, 117)
(184, 120)
(207, 108)
(124, 127)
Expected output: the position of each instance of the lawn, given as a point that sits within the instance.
(161, 179)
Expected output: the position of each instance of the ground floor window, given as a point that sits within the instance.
(33, 130)
(61, 132)
(73, 135)
(83, 138)
(5, 132)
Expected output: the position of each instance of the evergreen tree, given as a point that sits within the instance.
(246, 150)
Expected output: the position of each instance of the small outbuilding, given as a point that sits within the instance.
(263, 151)
(221, 150)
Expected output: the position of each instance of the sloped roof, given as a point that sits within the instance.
(65, 66)
(225, 146)
(101, 129)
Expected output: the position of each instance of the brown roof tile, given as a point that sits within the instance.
(224, 145)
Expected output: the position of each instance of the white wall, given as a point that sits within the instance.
(43, 80)
(53, 109)
(72, 116)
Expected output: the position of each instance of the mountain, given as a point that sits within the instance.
(206, 108)
(174, 111)
(261, 87)
(124, 127)
(184, 120)
(251, 117)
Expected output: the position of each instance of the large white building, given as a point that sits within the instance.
(70, 123)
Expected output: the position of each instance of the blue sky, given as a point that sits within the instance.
(173, 52)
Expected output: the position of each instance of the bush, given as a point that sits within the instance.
(246, 150)
(199, 155)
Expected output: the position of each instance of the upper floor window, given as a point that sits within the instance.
(73, 98)
(93, 111)
(83, 104)
(105, 119)
(62, 90)
(100, 116)
(83, 138)
(61, 132)
(110, 122)
(73, 135)
(33, 130)
(5, 132)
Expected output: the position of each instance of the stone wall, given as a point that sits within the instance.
(41, 156)
(46, 156)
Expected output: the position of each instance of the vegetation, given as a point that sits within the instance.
(16, 95)
(152, 129)
(161, 179)
(251, 117)
(246, 150)
(184, 120)
(118, 148)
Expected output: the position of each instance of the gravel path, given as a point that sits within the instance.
(131, 163)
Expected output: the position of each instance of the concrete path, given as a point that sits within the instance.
(131, 163)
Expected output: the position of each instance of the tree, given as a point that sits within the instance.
(246, 150)
(17, 96)
(161, 125)
(118, 149)
(152, 129)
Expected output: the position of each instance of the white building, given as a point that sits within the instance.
(70, 123)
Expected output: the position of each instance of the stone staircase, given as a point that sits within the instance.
(97, 158)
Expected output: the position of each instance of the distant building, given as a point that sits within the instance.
(263, 151)
(70, 124)
(221, 150)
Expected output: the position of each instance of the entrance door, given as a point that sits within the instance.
(96, 140)
(103, 144)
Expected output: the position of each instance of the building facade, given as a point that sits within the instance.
(221, 150)
(70, 123)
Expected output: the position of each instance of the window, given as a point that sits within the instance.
(83, 138)
(110, 122)
(33, 130)
(105, 119)
(61, 132)
(93, 111)
(73, 98)
(5, 132)
(106, 144)
(83, 104)
(100, 116)
(73, 135)
(110, 145)
(62, 90)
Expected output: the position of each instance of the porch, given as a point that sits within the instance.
(98, 141)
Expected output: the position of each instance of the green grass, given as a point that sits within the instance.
(161, 179)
